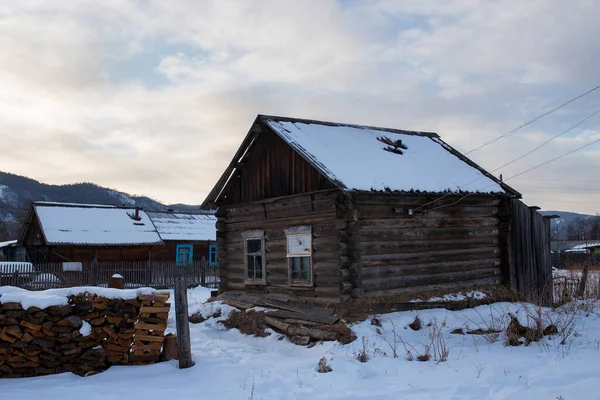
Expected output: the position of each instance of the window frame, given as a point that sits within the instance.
(188, 251)
(255, 235)
(295, 232)
(213, 248)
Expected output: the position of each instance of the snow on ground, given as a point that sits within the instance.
(230, 365)
(474, 294)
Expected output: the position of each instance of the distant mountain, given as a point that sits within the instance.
(18, 192)
(566, 217)
(573, 226)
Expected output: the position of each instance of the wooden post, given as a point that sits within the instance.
(183, 325)
(95, 270)
(149, 269)
(584, 278)
(203, 272)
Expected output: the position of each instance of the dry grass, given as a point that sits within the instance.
(249, 323)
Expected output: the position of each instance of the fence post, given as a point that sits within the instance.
(183, 325)
(95, 272)
(584, 278)
(203, 272)
(149, 269)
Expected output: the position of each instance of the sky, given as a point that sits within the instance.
(153, 98)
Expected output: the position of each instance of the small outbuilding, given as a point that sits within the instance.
(324, 212)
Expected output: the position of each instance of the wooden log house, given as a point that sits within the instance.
(60, 232)
(324, 212)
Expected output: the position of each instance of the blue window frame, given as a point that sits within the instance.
(184, 255)
(213, 255)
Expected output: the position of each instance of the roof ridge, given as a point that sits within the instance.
(82, 205)
(265, 117)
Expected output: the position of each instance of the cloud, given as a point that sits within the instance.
(154, 97)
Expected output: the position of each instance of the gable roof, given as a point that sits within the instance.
(93, 225)
(184, 227)
(352, 157)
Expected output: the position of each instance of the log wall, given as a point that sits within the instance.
(451, 246)
(329, 246)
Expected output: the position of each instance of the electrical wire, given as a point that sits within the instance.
(548, 141)
(533, 120)
(554, 159)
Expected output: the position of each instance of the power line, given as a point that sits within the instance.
(533, 120)
(524, 155)
(548, 141)
(558, 188)
(554, 159)
(557, 180)
(514, 176)
(575, 202)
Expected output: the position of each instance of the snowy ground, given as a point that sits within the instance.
(230, 365)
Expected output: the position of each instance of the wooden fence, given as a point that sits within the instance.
(156, 274)
(575, 261)
(530, 260)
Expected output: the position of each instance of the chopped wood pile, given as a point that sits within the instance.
(302, 323)
(150, 328)
(85, 336)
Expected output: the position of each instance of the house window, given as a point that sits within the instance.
(184, 254)
(299, 254)
(254, 249)
(213, 255)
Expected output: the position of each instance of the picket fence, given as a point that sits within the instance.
(156, 274)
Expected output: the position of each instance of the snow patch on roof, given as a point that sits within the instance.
(583, 247)
(95, 226)
(352, 156)
(8, 243)
(184, 227)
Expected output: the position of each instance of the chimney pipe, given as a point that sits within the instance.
(137, 214)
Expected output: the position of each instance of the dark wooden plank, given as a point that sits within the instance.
(313, 317)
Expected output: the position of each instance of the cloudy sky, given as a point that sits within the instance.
(153, 97)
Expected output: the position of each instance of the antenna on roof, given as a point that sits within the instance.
(393, 146)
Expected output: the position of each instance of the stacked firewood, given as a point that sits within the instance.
(85, 336)
(39, 342)
(150, 328)
(112, 322)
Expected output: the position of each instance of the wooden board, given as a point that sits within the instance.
(154, 310)
(148, 338)
(285, 309)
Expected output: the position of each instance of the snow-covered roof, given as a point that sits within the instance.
(354, 158)
(584, 246)
(184, 227)
(8, 243)
(95, 225)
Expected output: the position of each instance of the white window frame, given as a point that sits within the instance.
(255, 235)
(294, 232)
